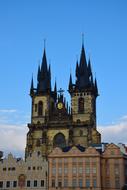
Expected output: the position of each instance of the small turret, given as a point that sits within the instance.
(32, 87)
(70, 86)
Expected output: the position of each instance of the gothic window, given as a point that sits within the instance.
(40, 108)
(81, 105)
(59, 140)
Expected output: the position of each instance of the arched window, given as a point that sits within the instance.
(59, 140)
(40, 108)
(81, 105)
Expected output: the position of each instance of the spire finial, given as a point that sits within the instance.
(44, 43)
(82, 39)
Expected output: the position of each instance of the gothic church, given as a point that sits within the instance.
(53, 122)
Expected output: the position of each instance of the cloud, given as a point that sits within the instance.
(7, 110)
(116, 133)
(13, 138)
(13, 116)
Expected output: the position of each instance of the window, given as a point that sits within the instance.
(4, 169)
(65, 170)
(35, 107)
(80, 170)
(94, 170)
(13, 168)
(53, 171)
(1, 184)
(74, 183)
(54, 161)
(74, 160)
(80, 182)
(42, 183)
(59, 140)
(8, 184)
(81, 105)
(29, 168)
(117, 183)
(107, 183)
(65, 183)
(59, 183)
(35, 183)
(34, 168)
(60, 170)
(74, 170)
(87, 182)
(87, 169)
(116, 169)
(53, 182)
(40, 108)
(94, 183)
(14, 183)
(28, 183)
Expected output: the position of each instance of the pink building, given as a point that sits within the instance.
(87, 169)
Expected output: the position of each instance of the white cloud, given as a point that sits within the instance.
(115, 133)
(13, 138)
(7, 110)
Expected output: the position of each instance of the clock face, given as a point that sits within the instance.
(60, 105)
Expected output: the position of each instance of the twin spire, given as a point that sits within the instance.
(84, 78)
(43, 78)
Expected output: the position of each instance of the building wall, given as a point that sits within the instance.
(74, 169)
(87, 170)
(20, 173)
(113, 168)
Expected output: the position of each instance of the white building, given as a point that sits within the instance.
(17, 174)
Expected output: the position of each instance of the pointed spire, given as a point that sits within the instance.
(49, 77)
(96, 88)
(70, 83)
(77, 69)
(89, 68)
(32, 87)
(83, 62)
(38, 75)
(55, 87)
(44, 63)
(55, 91)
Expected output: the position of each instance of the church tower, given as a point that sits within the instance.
(83, 103)
(53, 122)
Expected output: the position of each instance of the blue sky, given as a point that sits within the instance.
(24, 24)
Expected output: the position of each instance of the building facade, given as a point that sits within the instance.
(53, 122)
(90, 168)
(31, 173)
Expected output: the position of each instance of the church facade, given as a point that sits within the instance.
(63, 146)
(53, 122)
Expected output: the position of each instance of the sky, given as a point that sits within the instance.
(25, 24)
